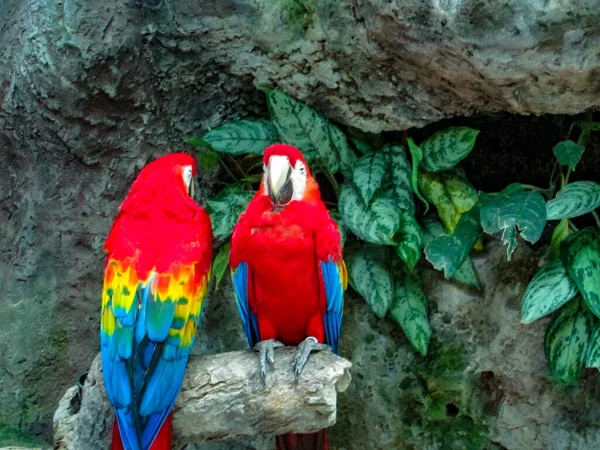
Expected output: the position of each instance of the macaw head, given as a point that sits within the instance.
(287, 176)
(164, 180)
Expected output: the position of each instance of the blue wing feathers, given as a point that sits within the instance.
(249, 320)
(335, 302)
(143, 368)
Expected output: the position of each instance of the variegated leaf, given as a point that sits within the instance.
(225, 209)
(446, 148)
(376, 222)
(550, 288)
(513, 208)
(410, 238)
(370, 275)
(220, 264)
(466, 273)
(566, 340)
(369, 172)
(580, 255)
(401, 173)
(241, 136)
(574, 200)
(560, 233)
(417, 156)
(449, 252)
(304, 128)
(410, 309)
(450, 192)
(592, 359)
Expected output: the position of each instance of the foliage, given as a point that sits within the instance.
(385, 233)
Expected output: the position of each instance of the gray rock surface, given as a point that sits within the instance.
(91, 91)
(222, 399)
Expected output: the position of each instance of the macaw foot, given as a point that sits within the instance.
(306, 347)
(266, 352)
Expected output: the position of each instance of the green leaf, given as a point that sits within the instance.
(369, 269)
(343, 153)
(568, 153)
(225, 209)
(410, 238)
(466, 273)
(575, 199)
(376, 222)
(446, 148)
(449, 252)
(417, 156)
(365, 142)
(592, 359)
(588, 125)
(566, 340)
(208, 160)
(304, 128)
(242, 136)
(550, 288)
(513, 208)
(335, 215)
(409, 308)
(401, 173)
(450, 192)
(560, 233)
(220, 263)
(580, 255)
(368, 175)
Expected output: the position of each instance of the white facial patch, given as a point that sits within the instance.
(299, 179)
(187, 177)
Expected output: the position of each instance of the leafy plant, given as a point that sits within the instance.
(385, 232)
(570, 282)
(373, 181)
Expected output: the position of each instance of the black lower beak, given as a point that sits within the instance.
(284, 195)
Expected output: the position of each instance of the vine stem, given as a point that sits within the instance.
(595, 214)
(572, 225)
(332, 180)
(233, 177)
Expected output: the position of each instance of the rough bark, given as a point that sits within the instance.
(222, 399)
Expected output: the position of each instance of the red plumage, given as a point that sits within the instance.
(159, 248)
(284, 248)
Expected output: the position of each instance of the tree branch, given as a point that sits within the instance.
(221, 399)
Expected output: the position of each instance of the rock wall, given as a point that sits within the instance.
(91, 91)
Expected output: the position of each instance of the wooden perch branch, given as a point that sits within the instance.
(221, 399)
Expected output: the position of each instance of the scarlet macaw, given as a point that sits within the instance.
(287, 270)
(159, 252)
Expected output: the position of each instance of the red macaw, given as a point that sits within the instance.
(159, 253)
(287, 270)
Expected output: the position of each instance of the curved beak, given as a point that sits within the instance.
(279, 180)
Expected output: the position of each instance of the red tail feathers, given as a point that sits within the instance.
(162, 441)
(313, 441)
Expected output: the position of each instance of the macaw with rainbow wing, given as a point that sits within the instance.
(287, 269)
(159, 253)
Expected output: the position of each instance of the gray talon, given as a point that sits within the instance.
(306, 347)
(266, 355)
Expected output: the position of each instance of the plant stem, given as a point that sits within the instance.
(572, 225)
(239, 167)
(332, 180)
(233, 177)
(566, 179)
(595, 214)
